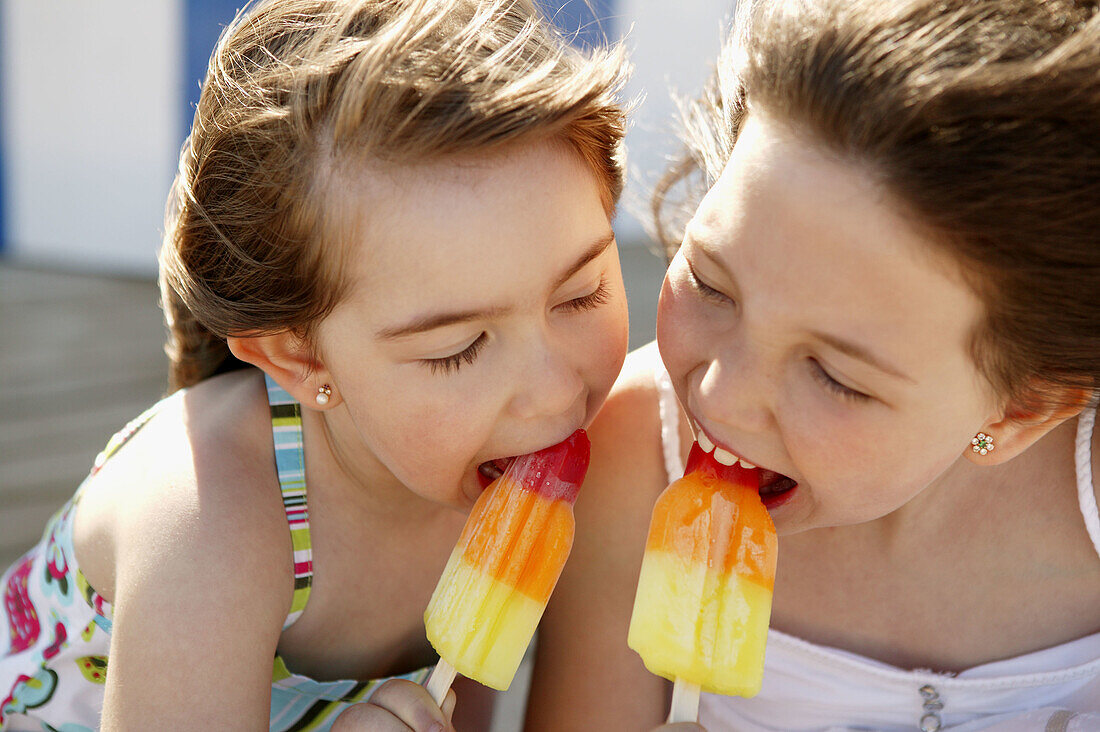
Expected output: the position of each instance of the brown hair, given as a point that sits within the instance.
(295, 85)
(982, 117)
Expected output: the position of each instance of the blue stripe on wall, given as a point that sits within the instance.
(585, 22)
(203, 22)
(3, 142)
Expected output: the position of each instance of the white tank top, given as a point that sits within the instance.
(810, 687)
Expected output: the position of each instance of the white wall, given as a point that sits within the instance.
(92, 125)
(92, 99)
(674, 46)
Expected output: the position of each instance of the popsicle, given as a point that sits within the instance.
(506, 563)
(704, 595)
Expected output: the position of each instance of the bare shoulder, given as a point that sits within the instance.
(628, 426)
(636, 386)
(586, 678)
(182, 530)
(627, 467)
(190, 501)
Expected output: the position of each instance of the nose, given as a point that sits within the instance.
(735, 390)
(549, 385)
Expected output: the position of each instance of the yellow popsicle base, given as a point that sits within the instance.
(488, 623)
(692, 623)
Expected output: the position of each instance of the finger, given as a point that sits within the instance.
(362, 717)
(449, 705)
(412, 704)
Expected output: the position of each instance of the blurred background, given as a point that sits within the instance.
(95, 101)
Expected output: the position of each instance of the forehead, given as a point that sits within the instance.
(822, 245)
(451, 232)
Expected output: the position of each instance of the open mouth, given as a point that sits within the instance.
(490, 470)
(775, 488)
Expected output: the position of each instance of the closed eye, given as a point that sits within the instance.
(706, 290)
(833, 385)
(450, 364)
(591, 301)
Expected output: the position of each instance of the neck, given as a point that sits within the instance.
(968, 492)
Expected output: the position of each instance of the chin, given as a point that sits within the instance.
(796, 517)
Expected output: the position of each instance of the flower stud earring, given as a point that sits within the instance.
(323, 393)
(982, 443)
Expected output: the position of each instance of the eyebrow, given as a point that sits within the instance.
(704, 248)
(432, 321)
(860, 353)
(598, 247)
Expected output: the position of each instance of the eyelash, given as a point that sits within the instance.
(598, 297)
(451, 364)
(835, 386)
(706, 290)
(819, 373)
(468, 355)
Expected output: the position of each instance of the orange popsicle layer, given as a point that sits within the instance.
(704, 593)
(506, 563)
(506, 520)
(720, 524)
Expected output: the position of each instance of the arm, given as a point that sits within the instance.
(201, 590)
(585, 676)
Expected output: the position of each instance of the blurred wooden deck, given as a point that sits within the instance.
(80, 356)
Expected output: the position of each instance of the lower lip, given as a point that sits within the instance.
(772, 502)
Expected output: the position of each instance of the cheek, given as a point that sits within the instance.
(457, 421)
(425, 446)
(614, 341)
(863, 468)
(677, 328)
(602, 345)
(402, 417)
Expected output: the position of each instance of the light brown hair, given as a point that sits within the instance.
(296, 88)
(982, 117)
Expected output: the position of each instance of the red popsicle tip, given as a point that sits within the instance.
(704, 462)
(555, 472)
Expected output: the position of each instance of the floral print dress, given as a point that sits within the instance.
(53, 662)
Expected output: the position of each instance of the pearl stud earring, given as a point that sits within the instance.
(982, 443)
(323, 394)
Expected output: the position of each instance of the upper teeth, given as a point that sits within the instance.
(725, 457)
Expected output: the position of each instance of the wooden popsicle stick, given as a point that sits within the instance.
(440, 680)
(685, 702)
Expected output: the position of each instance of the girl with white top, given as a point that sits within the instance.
(887, 301)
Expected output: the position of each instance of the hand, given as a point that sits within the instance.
(398, 705)
(680, 727)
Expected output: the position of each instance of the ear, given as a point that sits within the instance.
(1020, 426)
(287, 359)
